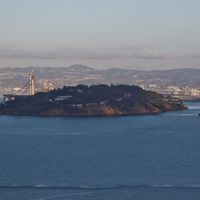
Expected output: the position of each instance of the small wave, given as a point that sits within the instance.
(64, 195)
(23, 132)
(181, 115)
(88, 188)
(60, 133)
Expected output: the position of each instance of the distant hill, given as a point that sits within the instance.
(80, 68)
(80, 74)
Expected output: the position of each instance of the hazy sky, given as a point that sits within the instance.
(142, 34)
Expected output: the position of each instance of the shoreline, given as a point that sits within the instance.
(93, 116)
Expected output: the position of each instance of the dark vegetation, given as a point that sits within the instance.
(90, 100)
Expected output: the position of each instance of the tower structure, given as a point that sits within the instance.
(32, 84)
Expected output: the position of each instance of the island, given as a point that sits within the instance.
(94, 100)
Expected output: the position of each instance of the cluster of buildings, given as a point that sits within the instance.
(174, 90)
(10, 83)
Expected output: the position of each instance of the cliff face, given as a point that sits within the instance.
(98, 100)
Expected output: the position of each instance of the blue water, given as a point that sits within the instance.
(121, 158)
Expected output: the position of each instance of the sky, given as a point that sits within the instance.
(135, 34)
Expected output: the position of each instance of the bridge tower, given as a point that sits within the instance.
(32, 84)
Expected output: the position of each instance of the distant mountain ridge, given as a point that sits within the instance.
(81, 74)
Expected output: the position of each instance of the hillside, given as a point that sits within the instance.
(157, 80)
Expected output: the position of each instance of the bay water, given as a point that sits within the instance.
(121, 158)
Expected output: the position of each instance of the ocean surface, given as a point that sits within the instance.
(152, 157)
